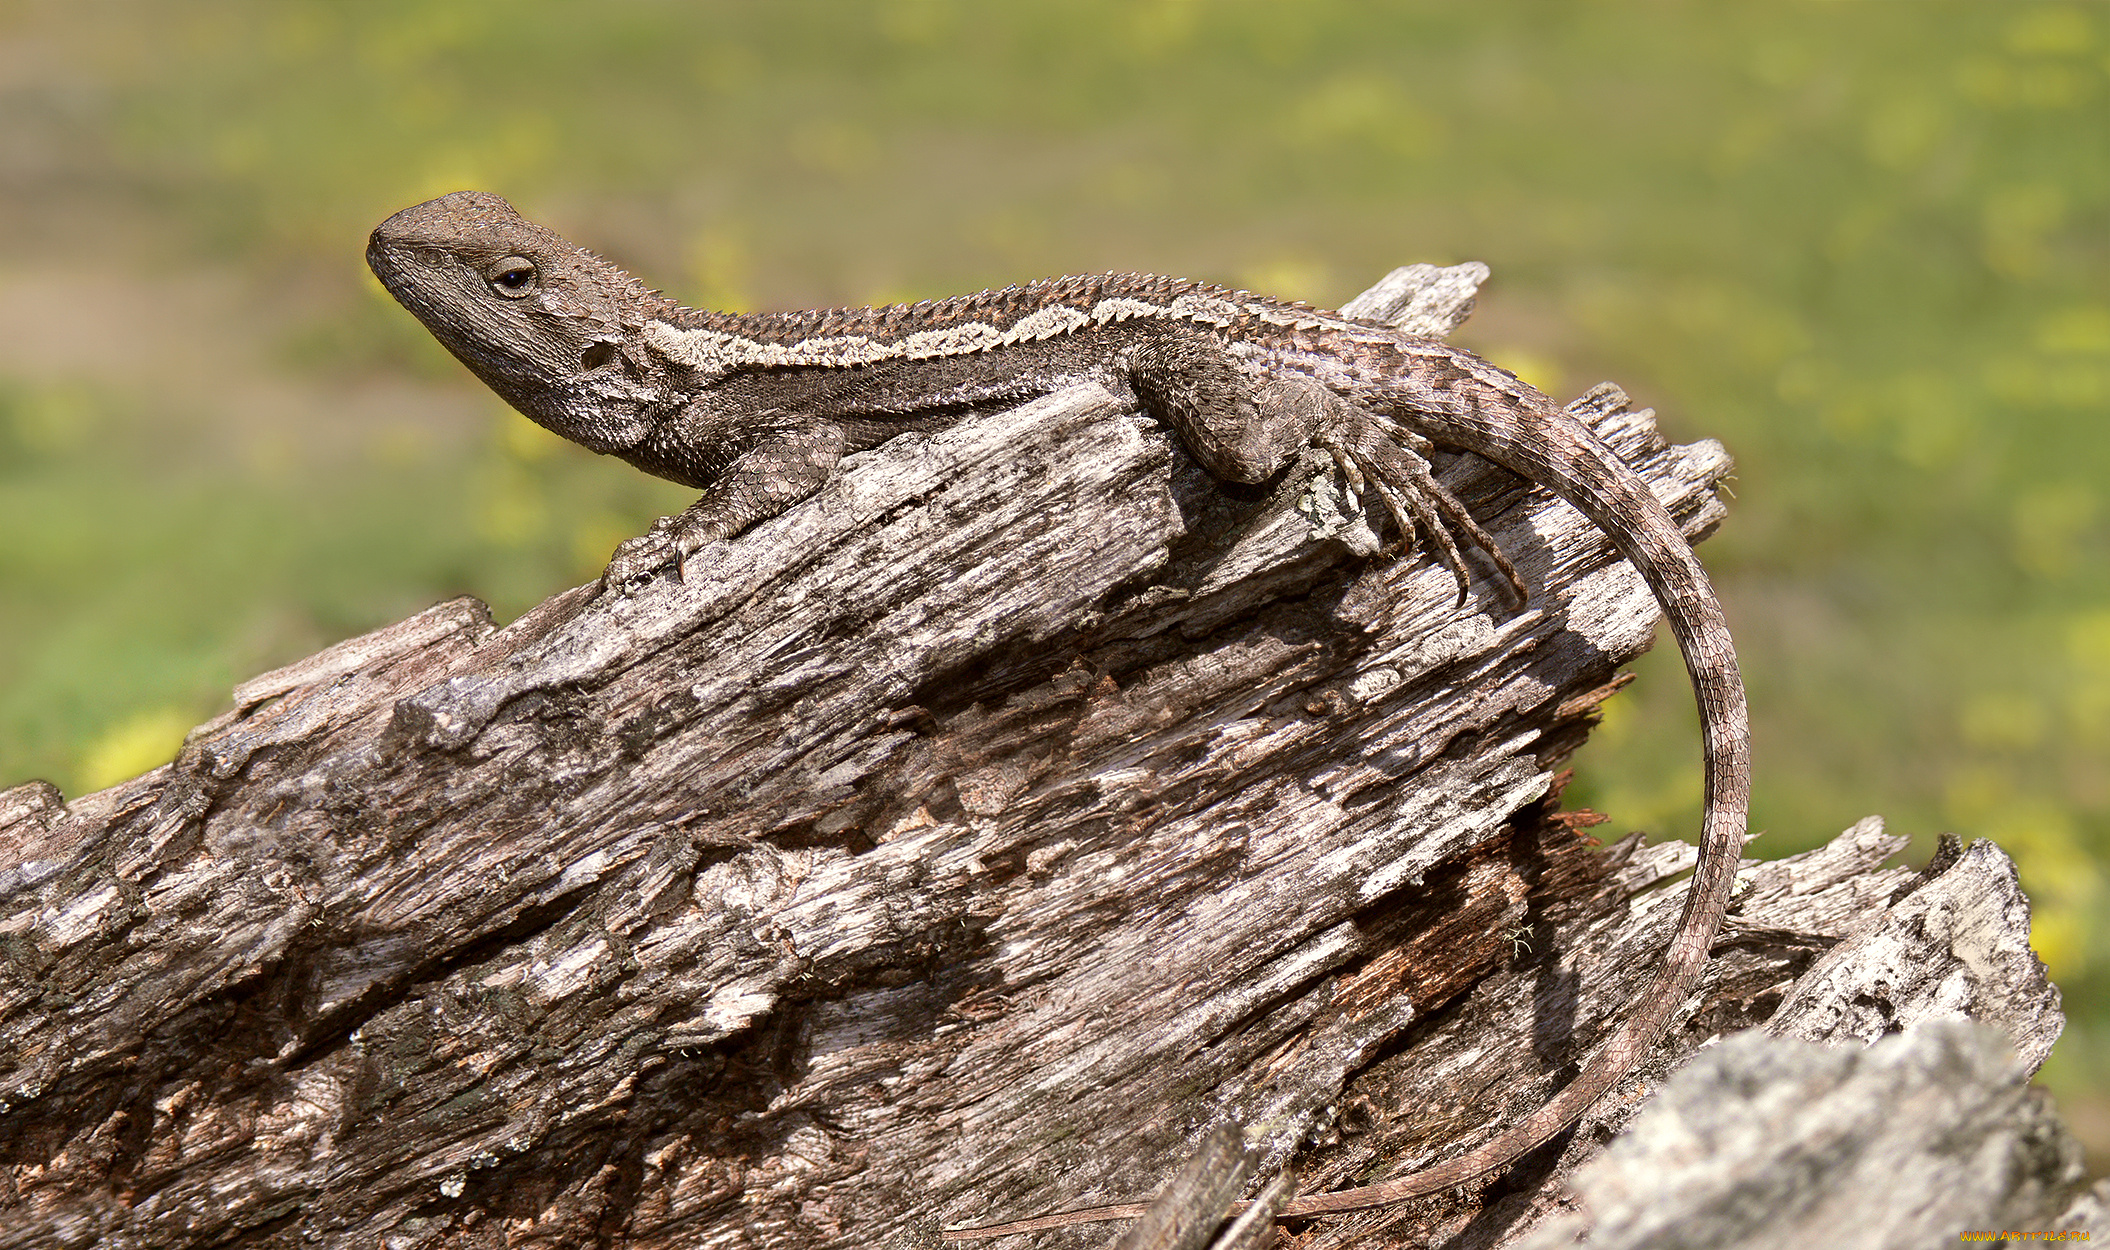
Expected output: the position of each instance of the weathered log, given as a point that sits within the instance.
(963, 844)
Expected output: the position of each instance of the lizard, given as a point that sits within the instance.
(755, 410)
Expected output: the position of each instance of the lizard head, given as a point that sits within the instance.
(546, 324)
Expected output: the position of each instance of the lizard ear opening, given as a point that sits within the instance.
(513, 278)
(596, 355)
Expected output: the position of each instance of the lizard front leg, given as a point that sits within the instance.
(1243, 431)
(774, 470)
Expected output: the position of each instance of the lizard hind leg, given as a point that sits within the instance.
(1243, 429)
(1390, 461)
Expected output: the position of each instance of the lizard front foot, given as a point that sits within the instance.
(668, 544)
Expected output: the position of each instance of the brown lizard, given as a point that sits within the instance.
(757, 409)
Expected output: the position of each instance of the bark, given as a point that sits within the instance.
(964, 844)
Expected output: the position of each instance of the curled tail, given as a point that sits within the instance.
(1529, 435)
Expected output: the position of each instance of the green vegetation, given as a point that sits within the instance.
(1865, 245)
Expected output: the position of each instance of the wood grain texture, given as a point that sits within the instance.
(918, 861)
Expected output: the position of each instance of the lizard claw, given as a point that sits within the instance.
(637, 559)
(664, 546)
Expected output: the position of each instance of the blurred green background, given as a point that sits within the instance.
(1865, 245)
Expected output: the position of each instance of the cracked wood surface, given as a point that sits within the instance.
(916, 863)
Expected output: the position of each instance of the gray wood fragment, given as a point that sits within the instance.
(1768, 1143)
(2089, 1213)
(1198, 1199)
(440, 621)
(1956, 947)
(1254, 1227)
(1421, 299)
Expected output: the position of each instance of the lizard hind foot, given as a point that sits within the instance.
(1384, 462)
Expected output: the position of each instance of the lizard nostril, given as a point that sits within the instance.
(596, 355)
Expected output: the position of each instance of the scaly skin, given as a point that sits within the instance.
(756, 410)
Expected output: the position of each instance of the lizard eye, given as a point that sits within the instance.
(513, 277)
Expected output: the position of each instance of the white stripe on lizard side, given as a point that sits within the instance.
(716, 352)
